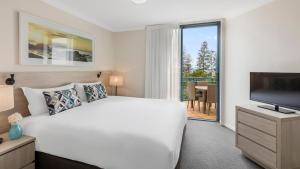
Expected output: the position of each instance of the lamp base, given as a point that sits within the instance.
(1, 140)
(116, 90)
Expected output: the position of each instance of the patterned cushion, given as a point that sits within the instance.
(59, 101)
(95, 92)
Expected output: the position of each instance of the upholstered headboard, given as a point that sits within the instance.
(43, 80)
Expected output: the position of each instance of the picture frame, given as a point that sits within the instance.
(43, 42)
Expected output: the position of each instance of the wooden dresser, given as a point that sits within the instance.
(269, 138)
(17, 154)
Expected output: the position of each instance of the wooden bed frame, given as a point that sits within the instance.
(49, 80)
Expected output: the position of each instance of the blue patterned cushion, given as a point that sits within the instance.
(59, 101)
(94, 92)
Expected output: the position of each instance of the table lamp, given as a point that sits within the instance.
(6, 99)
(116, 81)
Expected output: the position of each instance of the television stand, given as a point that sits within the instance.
(269, 138)
(277, 109)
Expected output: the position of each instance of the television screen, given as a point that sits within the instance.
(282, 89)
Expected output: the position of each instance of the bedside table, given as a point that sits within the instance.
(17, 154)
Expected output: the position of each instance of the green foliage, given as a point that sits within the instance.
(206, 58)
(196, 73)
(206, 63)
(187, 62)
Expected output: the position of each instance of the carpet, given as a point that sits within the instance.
(207, 145)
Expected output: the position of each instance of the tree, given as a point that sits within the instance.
(203, 56)
(187, 62)
(198, 73)
(206, 58)
(212, 62)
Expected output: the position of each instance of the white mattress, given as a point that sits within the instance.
(113, 133)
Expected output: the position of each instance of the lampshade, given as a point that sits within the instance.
(6, 97)
(116, 80)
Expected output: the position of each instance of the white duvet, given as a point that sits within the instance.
(113, 133)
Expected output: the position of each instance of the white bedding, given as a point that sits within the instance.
(113, 133)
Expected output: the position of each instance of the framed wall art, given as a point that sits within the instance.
(43, 42)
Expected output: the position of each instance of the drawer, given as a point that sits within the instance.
(257, 152)
(30, 166)
(257, 136)
(257, 122)
(18, 158)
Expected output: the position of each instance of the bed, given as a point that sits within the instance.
(111, 133)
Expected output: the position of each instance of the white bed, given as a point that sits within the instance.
(113, 133)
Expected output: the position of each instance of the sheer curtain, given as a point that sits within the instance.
(162, 79)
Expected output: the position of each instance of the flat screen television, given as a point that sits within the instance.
(277, 89)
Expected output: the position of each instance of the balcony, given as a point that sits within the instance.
(207, 108)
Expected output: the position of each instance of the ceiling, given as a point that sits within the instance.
(124, 15)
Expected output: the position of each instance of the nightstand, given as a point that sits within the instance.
(17, 154)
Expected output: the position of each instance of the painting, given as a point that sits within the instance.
(43, 42)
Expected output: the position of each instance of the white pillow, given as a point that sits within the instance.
(80, 89)
(36, 100)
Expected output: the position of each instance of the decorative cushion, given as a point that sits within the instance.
(59, 101)
(94, 92)
(80, 89)
(36, 100)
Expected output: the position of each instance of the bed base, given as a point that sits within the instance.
(47, 161)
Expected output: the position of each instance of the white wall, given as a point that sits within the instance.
(266, 39)
(9, 55)
(130, 54)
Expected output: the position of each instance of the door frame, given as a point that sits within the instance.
(219, 77)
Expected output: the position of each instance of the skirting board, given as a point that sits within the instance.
(229, 126)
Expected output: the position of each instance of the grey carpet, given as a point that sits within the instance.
(207, 145)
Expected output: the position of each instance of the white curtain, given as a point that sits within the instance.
(162, 79)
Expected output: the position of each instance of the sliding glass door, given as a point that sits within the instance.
(200, 60)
